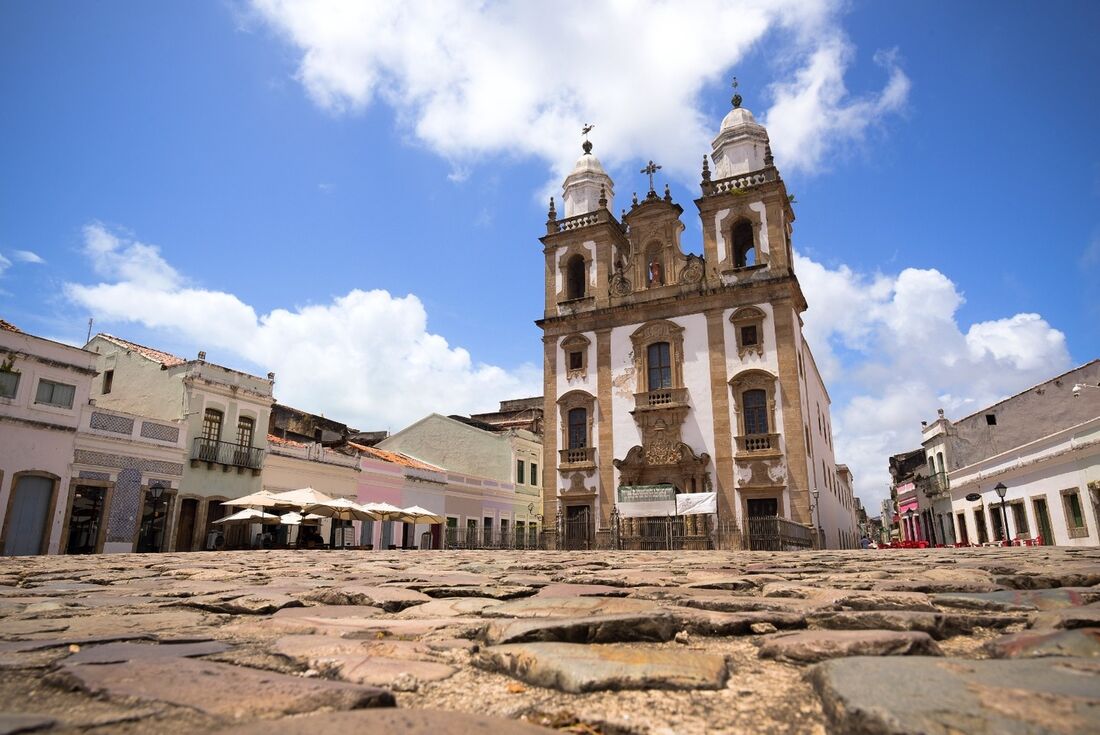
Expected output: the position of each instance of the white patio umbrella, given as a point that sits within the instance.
(293, 518)
(387, 512)
(301, 498)
(342, 509)
(260, 499)
(250, 515)
(422, 515)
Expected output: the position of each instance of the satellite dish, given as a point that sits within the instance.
(973, 497)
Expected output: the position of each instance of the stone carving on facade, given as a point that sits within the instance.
(665, 461)
(662, 451)
(777, 472)
(693, 271)
(619, 284)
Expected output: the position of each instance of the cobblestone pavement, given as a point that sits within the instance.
(936, 641)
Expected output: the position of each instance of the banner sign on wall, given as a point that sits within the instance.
(648, 501)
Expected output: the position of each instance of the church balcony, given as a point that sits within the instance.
(757, 445)
(580, 221)
(661, 398)
(577, 458)
(740, 182)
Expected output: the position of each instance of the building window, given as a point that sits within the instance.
(55, 394)
(211, 426)
(1019, 519)
(578, 428)
(534, 474)
(660, 366)
(519, 472)
(9, 383)
(575, 348)
(748, 326)
(755, 403)
(990, 419)
(108, 381)
(744, 244)
(245, 429)
(1075, 515)
(575, 277)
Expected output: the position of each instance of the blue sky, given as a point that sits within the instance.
(352, 197)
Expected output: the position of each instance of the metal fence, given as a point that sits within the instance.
(771, 533)
(480, 538)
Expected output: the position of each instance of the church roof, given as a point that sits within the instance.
(9, 327)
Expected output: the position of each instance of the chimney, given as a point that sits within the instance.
(202, 354)
(271, 377)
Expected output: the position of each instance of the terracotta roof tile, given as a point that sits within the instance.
(395, 458)
(164, 358)
(272, 439)
(9, 327)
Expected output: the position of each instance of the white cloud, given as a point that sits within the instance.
(26, 256)
(4, 264)
(366, 358)
(892, 351)
(474, 78)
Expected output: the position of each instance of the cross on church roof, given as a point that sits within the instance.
(736, 99)
(586, 145)
(651, 169)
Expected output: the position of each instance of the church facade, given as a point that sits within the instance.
(667, 370)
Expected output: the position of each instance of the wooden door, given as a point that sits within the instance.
(28, 516)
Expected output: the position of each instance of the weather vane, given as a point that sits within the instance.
(736, 99)
(651, 169)
(586, 145)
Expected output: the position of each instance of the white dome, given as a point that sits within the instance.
(737, 116)
(588, 163)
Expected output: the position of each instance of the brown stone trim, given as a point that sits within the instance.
(798, 475)
(748, 316)
(108, 497)
(575, 343)
(550, 434)
(719, 397)
(606, 437)
(753, 493)
(577, 399)
(657, 330)
(44, 545)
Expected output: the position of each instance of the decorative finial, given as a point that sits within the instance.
(651, 169)
(769, 160)
(603, 198)
(552, 214)
(736, 99)
(634, 201)
(706, 168)
(586, 145)
(668, 194)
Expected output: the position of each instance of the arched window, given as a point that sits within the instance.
(939, 461)
(931, 465)
(575, 277)
(660, 366)
(755, 404)
(578, 428)
(744, 245)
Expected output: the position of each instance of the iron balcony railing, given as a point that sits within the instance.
(772, 533)
(579, 455)
(933, 485)
(226, 453)
(757, 443)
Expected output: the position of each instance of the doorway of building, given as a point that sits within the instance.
(85, 520)
(185, 528)
(28, 514)
(762, 507)
(1042, 517)
(964, 533)
(983, 532)
(154, 523)
(578, 524)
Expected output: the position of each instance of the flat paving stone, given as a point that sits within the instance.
(390, 599)
(594, 629)
(1079, 642)
(10, 724)
(221, 689)
(396, 665)
(118, 652)
(1069, 617)
(1019, 600)
(904, 620)
(938, 696)
(405, 722)
(818, 645)
(576, 668)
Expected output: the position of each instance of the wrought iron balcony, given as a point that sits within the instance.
(661, 398)
(227, 454)
(933, 486)
(754, 443)
(578, 456)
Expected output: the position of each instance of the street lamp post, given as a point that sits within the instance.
(155, 493)
(1001, 490)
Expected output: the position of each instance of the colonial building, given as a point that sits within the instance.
(76, 478)
(491, 477)
(518, 413)
(1041, 445)
(671, 369)
(290, 465)
(224, 414)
